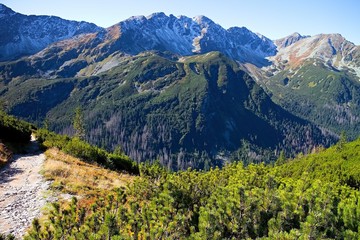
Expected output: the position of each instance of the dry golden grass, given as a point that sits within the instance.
(73, 176)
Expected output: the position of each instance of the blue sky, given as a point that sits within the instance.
(272, 18)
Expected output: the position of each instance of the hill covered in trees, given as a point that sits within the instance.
(310, 197)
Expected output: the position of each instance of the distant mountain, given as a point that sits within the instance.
(331, 49)
(24, 35)
(316, 78)
(188, 36)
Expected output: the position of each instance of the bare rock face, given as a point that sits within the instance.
(187, 36)
(289, 40)
(331, 50)
(25, 35)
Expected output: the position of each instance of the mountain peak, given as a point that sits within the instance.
(137, 18)
(157, 15)
(295, 34)
(24, 35)
(334, 36)
(289, 40)
(333, 51)
(202, 19)
(5, 11)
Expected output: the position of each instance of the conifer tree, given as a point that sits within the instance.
(342, 140)
(281, 160)
(78, 123)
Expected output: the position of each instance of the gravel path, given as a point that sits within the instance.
(22, 192)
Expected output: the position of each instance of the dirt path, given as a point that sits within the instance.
(22, 191)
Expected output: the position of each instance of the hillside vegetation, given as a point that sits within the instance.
(310, 197)
(86, 152)
(73, 176)
(14, 134)
(321, 95)
(5, 154)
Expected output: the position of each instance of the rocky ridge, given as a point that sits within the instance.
(181, 36)
(187, 36)
(331, 50)
(84, 48)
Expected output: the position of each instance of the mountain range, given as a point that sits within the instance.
(182, 90)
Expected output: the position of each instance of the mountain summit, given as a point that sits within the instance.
(320, 74)
(5, 11)
(287, 41)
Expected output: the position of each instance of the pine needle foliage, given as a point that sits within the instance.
(314, 196)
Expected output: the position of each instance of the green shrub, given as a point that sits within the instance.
(14, 130)
(86, 152)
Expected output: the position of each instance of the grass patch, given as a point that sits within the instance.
(73, 176)
(312, 84)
